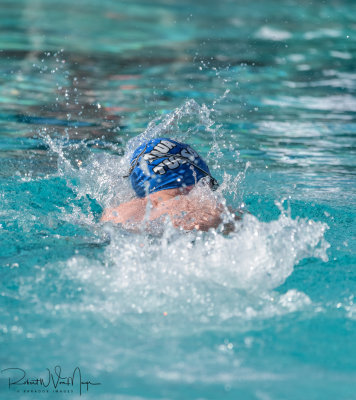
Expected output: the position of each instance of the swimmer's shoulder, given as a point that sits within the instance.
(131, 211)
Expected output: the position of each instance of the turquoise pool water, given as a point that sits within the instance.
(266, 92)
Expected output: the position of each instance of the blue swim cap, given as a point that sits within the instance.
(162, 163)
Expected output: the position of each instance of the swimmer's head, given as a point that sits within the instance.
(160, 164)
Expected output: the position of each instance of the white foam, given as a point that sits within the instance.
(202, 278)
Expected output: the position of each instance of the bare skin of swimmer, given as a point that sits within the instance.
(183, 210)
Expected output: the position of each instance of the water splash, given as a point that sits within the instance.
(174, 124)
(204, 277)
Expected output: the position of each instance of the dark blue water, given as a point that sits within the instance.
(266, 93)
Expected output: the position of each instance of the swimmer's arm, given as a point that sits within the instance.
(111, 215)
(206, 217)
(132, 211)
(202, 218)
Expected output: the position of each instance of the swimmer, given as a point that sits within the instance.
(164, 174)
